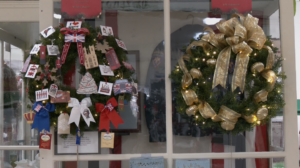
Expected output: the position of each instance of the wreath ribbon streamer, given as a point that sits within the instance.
(239, 34)
(67, 45)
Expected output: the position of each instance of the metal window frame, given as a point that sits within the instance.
(44, 13)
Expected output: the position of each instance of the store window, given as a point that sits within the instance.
(157, 121)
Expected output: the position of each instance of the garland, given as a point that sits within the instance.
(122, 72)
(245, 93)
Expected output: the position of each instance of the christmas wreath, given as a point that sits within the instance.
(92, 38)
(232, 80)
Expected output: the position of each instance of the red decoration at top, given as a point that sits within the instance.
(232, 5)
(89, 8)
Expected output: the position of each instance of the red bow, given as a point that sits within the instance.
(66, 30)
(108, 113)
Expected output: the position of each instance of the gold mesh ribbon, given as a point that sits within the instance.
(241, 37)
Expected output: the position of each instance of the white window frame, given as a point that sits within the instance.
(42, 11)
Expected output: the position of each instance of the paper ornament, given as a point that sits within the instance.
(106, 71)
(45, 74)
(52, 50)
(102, 47)
(128, 66)
(112, 59)
(26, 64)
(91, 60)
(61, 97)
(122, 86)
(87, 85)
(74, 25)
(53, 90)
(105, 88)
(45, 141)
(29, 117)
(35, 49)
(32, 70)
(47, 32)
(121, 44)
(41, 95)
(106, 31)
(42, 55)
(63, 126)
(107, 140)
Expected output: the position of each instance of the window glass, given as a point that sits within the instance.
(11, 158)
(15, 44)
(194, 132)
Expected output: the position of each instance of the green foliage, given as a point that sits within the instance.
(241, 103)
(69, 64)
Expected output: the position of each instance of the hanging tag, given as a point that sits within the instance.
(121, 44)
(74, 25)
(47, 32)
(61, 97)
(112, 59)
(31, 71)
(52, 50)
(134, 89)
(122, 86)
(53, 90)
(106, 71)
(121, 103)
(41, 95)
(62, 124)
(45, 141)
(106, 31)
(91, 60)
(128, 66)
(105, 88)
(35, 49)
(42, 55)
(107, 140)
(78, 137)
(26, 64)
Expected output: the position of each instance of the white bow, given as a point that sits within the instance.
(81, 108)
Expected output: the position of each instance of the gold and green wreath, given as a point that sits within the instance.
(232, 80)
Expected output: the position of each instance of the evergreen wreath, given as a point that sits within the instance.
(72, 56)
(224, 108)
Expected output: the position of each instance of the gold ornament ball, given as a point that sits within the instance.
(262, 113)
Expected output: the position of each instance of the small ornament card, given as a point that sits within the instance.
(38, 108)
(32, 70)
(61, 97)
(105, 88)
(35, 49)
(112, 59)
(106, 31)
(121, 44)
(26, 64)
(45, 141)
(91, 60)
(102, 47)
(106, 71)
(58, 65)
(128, 66)
(107, 140)
(41, 95)
(122, 86)
(87, 85)
(62, 124)
(52, 50)
(53, 90)
(47, 32)
(74, 25)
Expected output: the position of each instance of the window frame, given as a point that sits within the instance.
(42, 11)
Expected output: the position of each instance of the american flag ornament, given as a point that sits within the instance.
(74, 38)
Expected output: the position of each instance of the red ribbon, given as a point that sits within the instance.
(65, 31)
(108, 113)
